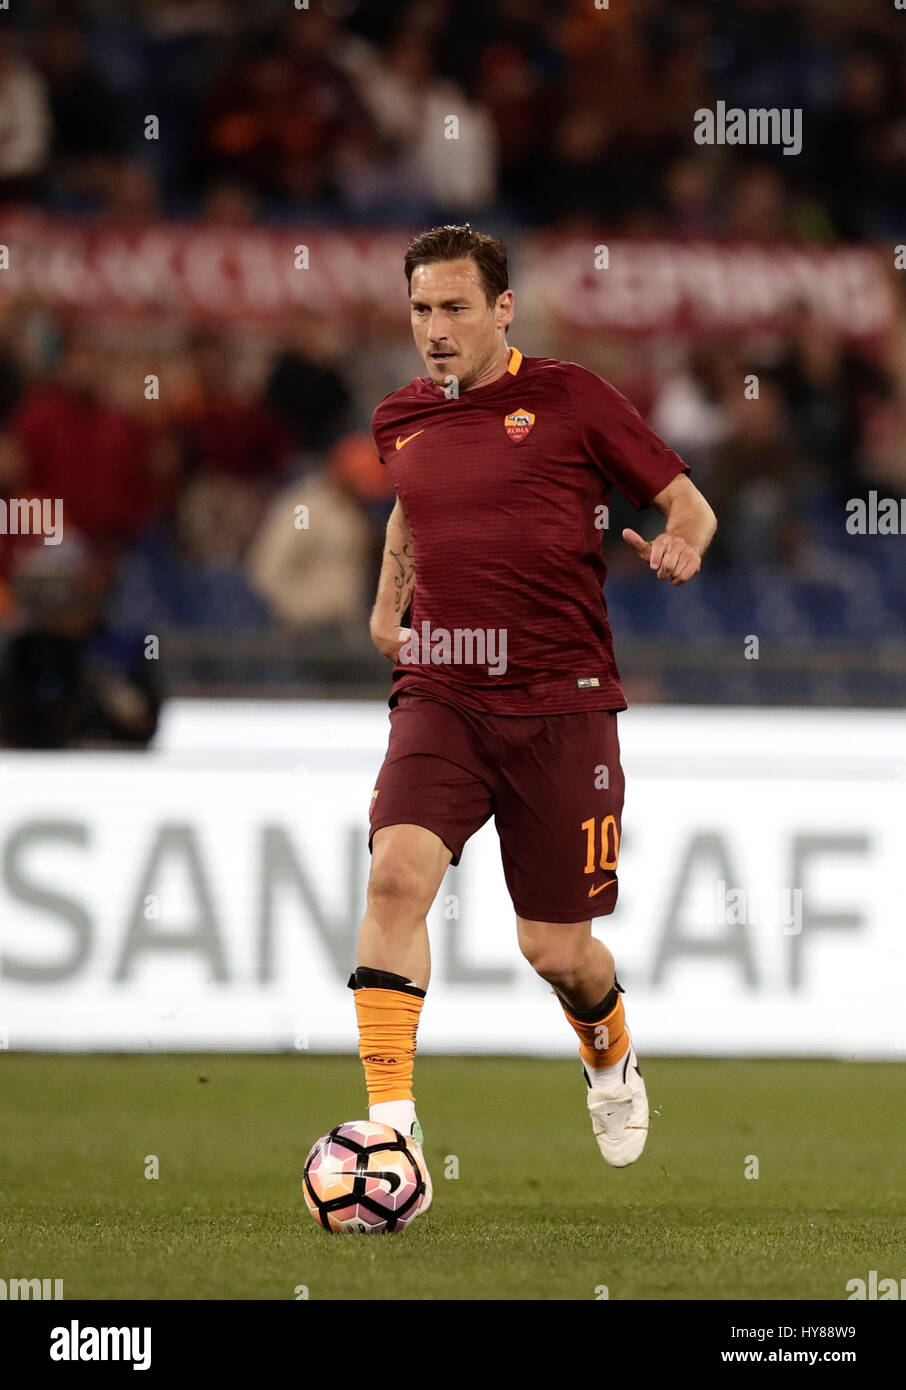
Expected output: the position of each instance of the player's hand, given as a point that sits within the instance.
(390, 643)
(672, 557)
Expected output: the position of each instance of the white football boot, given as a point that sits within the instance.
(619, 1114)
(416, 1145)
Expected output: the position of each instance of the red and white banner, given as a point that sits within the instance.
(202, 271)
(700, 286)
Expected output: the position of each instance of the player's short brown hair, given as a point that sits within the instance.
(461, 243)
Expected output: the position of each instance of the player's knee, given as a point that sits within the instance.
(396, 886)
(557, 962)
(560, 971)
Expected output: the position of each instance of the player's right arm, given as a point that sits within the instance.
(395, 585)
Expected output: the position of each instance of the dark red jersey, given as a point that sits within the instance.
(504, 490)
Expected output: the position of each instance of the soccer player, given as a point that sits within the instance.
(505, 690)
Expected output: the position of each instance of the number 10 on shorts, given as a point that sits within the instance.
(610, 843)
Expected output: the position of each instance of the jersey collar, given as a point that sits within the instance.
(514, 363)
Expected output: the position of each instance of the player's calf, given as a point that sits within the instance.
(617, 1099)
(388, 1008)
(577, 965)
(390, 983)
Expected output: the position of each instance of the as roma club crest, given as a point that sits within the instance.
(519, 424)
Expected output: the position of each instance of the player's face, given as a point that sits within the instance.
(456, 330)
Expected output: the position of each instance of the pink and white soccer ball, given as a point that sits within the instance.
(363, 1177)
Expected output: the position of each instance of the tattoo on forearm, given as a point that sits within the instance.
(403, 581)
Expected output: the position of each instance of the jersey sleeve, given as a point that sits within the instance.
(617, 439)
(377, 433)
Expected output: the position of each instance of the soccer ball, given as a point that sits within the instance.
(364, 1177)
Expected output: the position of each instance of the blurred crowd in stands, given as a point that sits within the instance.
(247, 496)
(184, 509)
(564, 109)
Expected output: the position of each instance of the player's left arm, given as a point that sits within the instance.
(677, 552)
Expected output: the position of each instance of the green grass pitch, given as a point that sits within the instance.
(534, 1213)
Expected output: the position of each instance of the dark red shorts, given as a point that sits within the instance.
(553, 784)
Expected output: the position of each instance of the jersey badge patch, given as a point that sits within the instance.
(518, 424)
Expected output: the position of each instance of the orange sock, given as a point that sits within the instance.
(603, 1041)
(388, 1022)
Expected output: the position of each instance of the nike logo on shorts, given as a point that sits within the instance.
(593, 892)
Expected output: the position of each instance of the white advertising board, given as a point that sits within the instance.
(208, 894)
